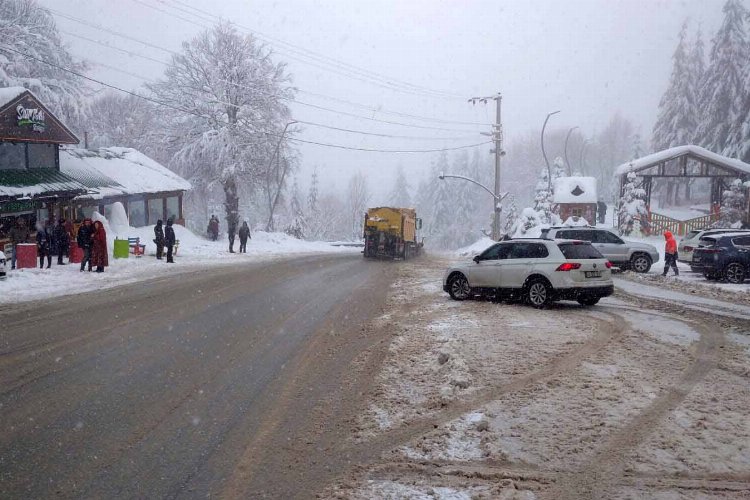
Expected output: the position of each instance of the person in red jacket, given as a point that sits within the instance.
(99, 248)
(670, 254)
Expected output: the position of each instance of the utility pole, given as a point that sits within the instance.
(497, 137)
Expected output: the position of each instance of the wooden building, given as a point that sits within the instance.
(576, 197)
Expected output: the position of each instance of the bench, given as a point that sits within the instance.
(136, 248)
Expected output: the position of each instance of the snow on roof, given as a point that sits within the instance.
(575, 190)
(7, 94)
(671, 153)
(118, 171)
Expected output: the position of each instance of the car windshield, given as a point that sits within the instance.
(577, 250)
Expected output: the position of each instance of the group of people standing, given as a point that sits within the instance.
(164, 238)
(52, 238)
(92, 239)
(243, 233)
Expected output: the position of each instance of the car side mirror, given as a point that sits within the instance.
(477, 259)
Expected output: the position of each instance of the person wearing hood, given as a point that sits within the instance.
(159, 239)
(244, 234)
(99, 257)
(169, 240)
(61, 240)
(85, 232)
(44, 245)
(670, 254)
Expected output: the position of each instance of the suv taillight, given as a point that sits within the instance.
(568, 266)
(711, 250)
(689, 248)
(608, 264)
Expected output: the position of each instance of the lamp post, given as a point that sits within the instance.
(546, 162)
(497, 198)
(567, 162)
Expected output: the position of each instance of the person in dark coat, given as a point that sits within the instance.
(43, 245)
(159, 239)
(60, 240)
(99, 256)
(231, 232)
(244, 236)
(169, 239)
(85, 232)
(213, 228)
(17, 234)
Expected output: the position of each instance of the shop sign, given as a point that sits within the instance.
(15, 206)
(31, 116)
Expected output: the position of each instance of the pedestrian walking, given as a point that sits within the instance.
(18, 234)
(231, 231)
(670, 254)
(213, 228)
(99, 254)
(85, 233)
(244, 236)
(60, 241)
(159, 239)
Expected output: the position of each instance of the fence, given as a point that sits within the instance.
(659, 223)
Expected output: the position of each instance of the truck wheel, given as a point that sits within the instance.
(458, 287)
(640, 263)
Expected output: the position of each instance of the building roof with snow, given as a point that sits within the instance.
(575, 190)
(25, 119)
(116, 171)
(697, 152)
(8, 94)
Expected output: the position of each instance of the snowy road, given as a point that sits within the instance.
(189, 386)
(646, 395)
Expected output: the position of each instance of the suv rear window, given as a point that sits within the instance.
(707, 242)
(579, 251)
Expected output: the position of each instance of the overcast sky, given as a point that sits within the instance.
(587, 58)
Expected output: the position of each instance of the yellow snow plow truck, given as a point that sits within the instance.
(392, 233)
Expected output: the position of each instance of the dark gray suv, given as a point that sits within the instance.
(624, 254)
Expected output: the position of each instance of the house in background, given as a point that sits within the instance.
(576, 197)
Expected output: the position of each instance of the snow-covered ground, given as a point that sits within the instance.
(195, 252)
(643, 396)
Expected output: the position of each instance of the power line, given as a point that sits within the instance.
(169, 51)
(330, 127)
(312, 54)
(176, 108)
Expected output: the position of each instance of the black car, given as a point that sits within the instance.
(724, 256)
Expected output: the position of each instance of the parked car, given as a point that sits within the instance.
(691, 241)
(538, 271)
(2, 266)
(624, 254)
(724, 256)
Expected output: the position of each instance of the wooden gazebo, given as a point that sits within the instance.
(685, 162)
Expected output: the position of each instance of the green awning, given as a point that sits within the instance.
(37, 182)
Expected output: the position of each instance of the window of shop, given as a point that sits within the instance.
(12, 156)
(42, 214)
(173, 208)
(84, 212)
(137, 213)
(41, 155)
(155, 210)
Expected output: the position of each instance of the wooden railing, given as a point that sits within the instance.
(659, 223)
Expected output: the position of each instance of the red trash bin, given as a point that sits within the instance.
(26, 255)
(76, 254)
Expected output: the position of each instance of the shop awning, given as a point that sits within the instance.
(37, 182)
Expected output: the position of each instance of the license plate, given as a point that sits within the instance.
(593, 274)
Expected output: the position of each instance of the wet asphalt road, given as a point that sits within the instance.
(160, 389)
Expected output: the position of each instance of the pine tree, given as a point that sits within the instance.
(722, 89)
(733, 202)
(511, 216)
(697, 75)
(543, 198)
(399, 196)
(632, 206)
(677, 120)
(298, 224)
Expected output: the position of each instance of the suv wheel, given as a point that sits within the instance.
(734, 272)
(640, 263)
(538, 293)
(458, 287)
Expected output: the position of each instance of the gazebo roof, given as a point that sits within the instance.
(693, 151)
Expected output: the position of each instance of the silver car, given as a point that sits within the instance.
(624, 254)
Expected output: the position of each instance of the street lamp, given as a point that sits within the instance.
(546, 162)
(498, 199)
(566, 148)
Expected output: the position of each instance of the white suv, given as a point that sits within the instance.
(2, 266)
(538, 271)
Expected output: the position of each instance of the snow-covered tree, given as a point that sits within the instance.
(357, 198)
(733, 203)
(558, 169)
(677, 119)
(297, 226)
(723, 87)
(543, 199)
(511, 215)
(632, 206)
(232, 113)
(28, 39)
(399, 195)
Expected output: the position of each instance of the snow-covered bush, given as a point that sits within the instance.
(632, 206)
(528, 220)
(733, 203)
